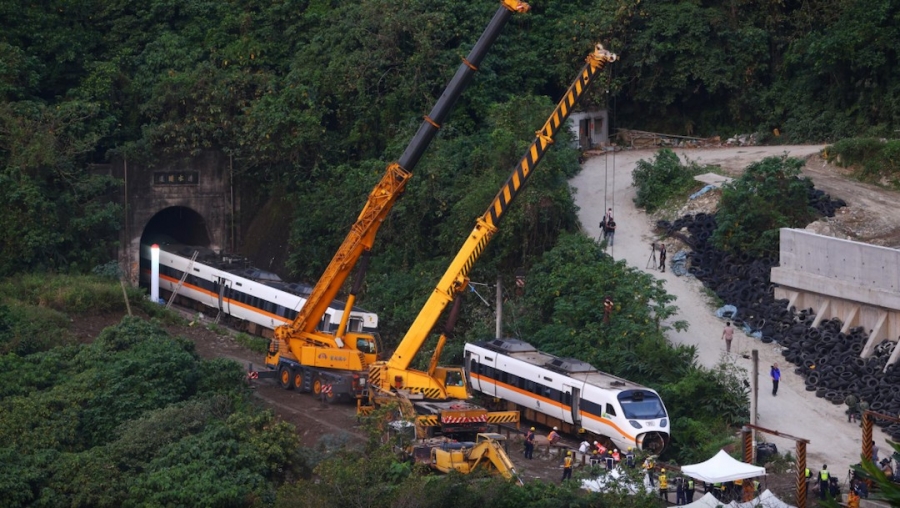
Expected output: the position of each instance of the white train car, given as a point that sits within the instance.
(568, 393)
(255, 299)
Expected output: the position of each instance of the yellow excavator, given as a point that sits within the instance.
(486, 453)
(439, 396)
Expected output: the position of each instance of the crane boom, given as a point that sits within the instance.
(455, 279)
(381, 200)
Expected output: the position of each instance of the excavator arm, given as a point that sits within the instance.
(396, 371)
(301, 332)
(487, 453)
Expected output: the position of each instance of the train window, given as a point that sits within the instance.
(610, 410)
(501, 376)
(548, 379)
(548, 392)
(239, 284)
(356, 324)
(641, 405)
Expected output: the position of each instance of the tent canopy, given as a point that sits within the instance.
(722, 468)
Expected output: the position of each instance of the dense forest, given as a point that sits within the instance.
(311, 99)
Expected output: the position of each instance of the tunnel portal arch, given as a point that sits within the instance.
(181, 223)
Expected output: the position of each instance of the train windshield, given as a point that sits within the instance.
(641, 405)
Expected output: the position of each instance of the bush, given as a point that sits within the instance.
(663, 178)
(874, 159)
(768, 196)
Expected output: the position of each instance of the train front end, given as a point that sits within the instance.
(645, 413)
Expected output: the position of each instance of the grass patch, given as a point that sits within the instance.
(253, 343)
(75, 294)
(872, 160)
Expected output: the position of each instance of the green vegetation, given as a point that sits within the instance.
(664, 178)
(252, 342)
(875, 160)
(135, 419)
(768, 196)
(35, 309)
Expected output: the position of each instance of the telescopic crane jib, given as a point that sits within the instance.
(394, 376)
(299, 351)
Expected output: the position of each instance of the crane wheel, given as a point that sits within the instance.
(318, 384)
(284, 377)
(297, 380)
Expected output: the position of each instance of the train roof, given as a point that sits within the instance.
(572, 367)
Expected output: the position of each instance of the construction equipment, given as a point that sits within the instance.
(308, 359)
(439, 394)
(486, 453)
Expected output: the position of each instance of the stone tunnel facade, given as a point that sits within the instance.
(193, 194)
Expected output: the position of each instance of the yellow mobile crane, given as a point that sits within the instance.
(311, 360)
(438, 395)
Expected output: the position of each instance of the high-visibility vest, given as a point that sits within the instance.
(568, 463)
(690, 485)
(808, 473)
(823, 475)
(662, 482)
(739, 482)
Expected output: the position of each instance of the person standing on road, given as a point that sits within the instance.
(824, 475)
(662, 257)
(728, 335)
(776, 377)
(567, 467)
(689, 490)
(529, 444)
(611, 231)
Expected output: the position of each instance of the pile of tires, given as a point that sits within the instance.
(830, 362)
(827, 359)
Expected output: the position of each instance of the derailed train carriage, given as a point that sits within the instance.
(568, 393)
(253, 300)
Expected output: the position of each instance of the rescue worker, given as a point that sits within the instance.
(853, 499)
(680, 497)
(689, 490)
(529, 444)
(610, 462)
(648, 468)
(808, 476)
(663, 485)
(629, 457)
(599, 448)
(553, 437)
(567, 466)
(615, 455)
(824, 475)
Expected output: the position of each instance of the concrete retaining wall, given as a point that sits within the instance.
(856, 282)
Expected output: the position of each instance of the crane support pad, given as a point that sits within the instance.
(503, 417)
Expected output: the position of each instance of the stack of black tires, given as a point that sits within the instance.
(827, 358)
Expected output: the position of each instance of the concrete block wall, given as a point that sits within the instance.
(856, 282)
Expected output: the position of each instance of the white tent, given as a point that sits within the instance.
(707, 501)
(722, 468)
(765, 500)
(615, 480)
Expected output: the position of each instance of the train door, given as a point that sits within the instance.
(224, 295)
(573, 400)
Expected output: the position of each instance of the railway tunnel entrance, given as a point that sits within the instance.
(180, 223)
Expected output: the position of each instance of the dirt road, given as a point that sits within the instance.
(606, 181)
